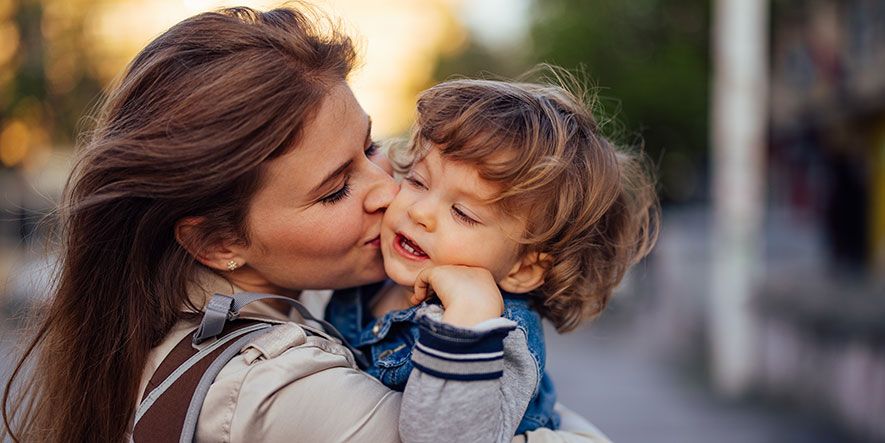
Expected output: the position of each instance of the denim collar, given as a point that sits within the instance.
(372, 330)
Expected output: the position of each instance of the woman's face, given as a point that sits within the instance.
(315, 221)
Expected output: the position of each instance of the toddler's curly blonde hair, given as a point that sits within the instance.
(590, 206)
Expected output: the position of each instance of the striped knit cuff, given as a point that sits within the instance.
(453, 353)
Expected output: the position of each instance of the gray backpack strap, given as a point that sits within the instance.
(193, 410)
(160, 418)
(222, 308)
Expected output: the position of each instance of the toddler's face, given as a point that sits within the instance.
(439, 218)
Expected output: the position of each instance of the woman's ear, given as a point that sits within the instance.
(527, 274)
(219, 254)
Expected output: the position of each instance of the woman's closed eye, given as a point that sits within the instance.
(344, 191)
(338, 195)
(371, 150)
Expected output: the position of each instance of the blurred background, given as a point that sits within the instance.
(760, 316)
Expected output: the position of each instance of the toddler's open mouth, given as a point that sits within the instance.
(408, 248)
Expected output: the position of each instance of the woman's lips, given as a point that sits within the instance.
(407, 248)
(375, 242)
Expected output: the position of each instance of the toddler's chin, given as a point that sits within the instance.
(409, 282)
(398, 276)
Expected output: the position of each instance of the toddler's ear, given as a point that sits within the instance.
(527, 274)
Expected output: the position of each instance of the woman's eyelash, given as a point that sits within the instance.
(344, 192)
(372, 149)
(466, 218)
(337, 195)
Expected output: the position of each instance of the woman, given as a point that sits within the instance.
(231, 156)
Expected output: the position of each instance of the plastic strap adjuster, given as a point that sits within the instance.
(218, 311)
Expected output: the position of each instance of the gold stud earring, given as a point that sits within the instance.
(231, 265)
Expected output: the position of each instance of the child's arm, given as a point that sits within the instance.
(468, 384)
(474, 374)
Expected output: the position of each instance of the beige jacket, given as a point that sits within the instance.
(291, 386)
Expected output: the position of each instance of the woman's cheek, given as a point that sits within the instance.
(341, 228)
(319, 232)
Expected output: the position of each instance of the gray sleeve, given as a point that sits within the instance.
(468, 384)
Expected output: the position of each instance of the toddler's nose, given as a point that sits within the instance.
(422, 215)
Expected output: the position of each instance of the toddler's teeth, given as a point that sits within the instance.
(407, 245)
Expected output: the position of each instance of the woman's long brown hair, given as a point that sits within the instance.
(184, 133)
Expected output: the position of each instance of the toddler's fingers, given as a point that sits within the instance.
(422, 285)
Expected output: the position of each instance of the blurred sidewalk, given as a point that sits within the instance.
(613, 374)
(636, 372)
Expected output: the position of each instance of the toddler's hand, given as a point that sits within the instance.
(468, 294)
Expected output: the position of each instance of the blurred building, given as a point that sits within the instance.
(822, 343)
(828, 123)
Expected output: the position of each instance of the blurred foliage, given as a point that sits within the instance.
(649, 61)
(45, 82)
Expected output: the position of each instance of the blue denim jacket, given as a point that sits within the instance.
(388, 343)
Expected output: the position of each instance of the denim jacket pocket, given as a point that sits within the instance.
(393, 364)
(391, 356)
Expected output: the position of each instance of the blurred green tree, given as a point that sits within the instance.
(45, 81)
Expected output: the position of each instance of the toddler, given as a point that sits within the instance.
(512, 186)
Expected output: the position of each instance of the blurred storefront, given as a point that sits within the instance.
(822, 340)
(828, 123)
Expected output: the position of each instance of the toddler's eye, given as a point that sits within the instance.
(414, 181)
(463, 216)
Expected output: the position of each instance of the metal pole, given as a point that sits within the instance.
(739, 116)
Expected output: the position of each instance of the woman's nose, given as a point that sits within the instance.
(383, 190)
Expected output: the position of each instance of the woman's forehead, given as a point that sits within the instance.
(328, 142)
